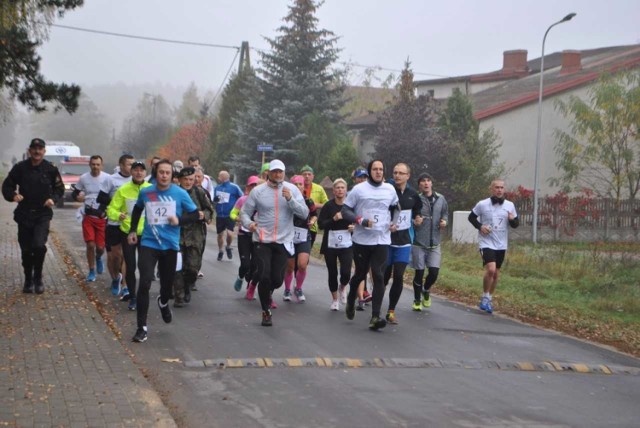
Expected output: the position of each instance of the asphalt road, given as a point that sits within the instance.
(450, 366)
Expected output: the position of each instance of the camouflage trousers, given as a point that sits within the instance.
(186, 278)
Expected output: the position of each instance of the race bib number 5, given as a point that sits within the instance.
(159, 212)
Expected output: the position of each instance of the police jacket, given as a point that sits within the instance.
(36, 184)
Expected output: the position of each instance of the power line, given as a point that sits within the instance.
(214, 45)
(223, 80)
(153, 39)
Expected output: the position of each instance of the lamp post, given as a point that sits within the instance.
(539, 133)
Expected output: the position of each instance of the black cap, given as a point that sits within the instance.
(37, 142)
(187, 171)
(424, 176)
(138, 164)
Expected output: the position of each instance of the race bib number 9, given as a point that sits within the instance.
(339, 239)
(159, 212)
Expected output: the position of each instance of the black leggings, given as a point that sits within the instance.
(432, 276)
(271, 262)
(365, 257)
(129, 254)
(331, 257)
(32, 238)
(395, 292)
(147, 260)
(245, 250)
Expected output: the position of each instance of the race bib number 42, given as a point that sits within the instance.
(159, 212)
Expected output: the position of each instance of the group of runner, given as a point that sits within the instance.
(161, 220)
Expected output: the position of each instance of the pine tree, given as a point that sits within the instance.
(406, 132)
(295, 79)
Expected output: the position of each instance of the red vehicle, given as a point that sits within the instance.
(71, 168)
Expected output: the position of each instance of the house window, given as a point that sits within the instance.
(431, 93)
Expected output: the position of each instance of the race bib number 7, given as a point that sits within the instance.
(159, 212)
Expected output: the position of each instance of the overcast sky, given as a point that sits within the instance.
(441, 38)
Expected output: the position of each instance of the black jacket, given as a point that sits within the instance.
(36, 184)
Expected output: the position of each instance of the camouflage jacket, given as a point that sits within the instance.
(194, 234)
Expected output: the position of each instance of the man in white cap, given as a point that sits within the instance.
(275, 204)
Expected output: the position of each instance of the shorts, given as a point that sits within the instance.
(398, 255)
(223, 223)
(112, 236)
(424, 258)
(492, 256)
(302, 247)
(93, 229)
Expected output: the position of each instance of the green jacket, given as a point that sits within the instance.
(122, 202)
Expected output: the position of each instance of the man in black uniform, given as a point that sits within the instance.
(35, 184)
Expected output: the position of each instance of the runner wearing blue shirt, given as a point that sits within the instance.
(225, 196)
(166, 207)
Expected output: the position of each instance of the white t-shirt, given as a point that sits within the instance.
(91, 186)
(110, 187)
(496, 216)
(372, 203)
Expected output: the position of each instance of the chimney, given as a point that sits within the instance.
(514, 61)
(571, 62)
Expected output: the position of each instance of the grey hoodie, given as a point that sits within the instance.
(274, 214)
(427, 235)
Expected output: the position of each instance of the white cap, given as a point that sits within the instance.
(276, 164)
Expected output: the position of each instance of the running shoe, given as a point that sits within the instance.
(391, 317)
(287, 296)
(38, 285)
(92, 276)
(335, 305)
(116, 285)
(28, 286)
(200, 274)
(178, 303)
(299, 295)
(165, 310)
(194, 287)
(237, 285)
(272, 305)
(377, 323)
(367, 297)
(343, 294)
(266, 319)
(350, 310)
(426, 299)
(417, 306)
(251, 291)
(489, 307)
(360, 306)
(133, 304)
(140, 336)
(220, 256)
(99, 265)
(484, 304)
(229, 253)
(124, 294)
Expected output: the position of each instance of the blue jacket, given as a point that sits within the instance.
(225, 196)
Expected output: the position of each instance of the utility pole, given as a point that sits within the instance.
(245, 61)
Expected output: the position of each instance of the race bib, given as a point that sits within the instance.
(379, 219)
(299, 235)
(179, 262)
(339, 239)
(404, 220)
(159, 212)
(290, 248)
(499, 223)
(223, 197)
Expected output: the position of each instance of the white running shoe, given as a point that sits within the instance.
(335, 305)
(343, 294)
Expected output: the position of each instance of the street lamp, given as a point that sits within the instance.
(539, 133)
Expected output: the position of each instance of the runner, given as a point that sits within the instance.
(166, 208)
(274, 204)
(113, 235)
(120, 209)
(35, 185)
(316, 193)
(336, 243)
(225, 196)
(199, 178)
(192, 238)
(360, 175)
(302, 243)
(426, 252)
(370, 206)
(245, 242)
(491, 217)
(94, 219)
(207, 182)
(400, 249)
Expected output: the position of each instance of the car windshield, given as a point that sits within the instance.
(71, 169)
